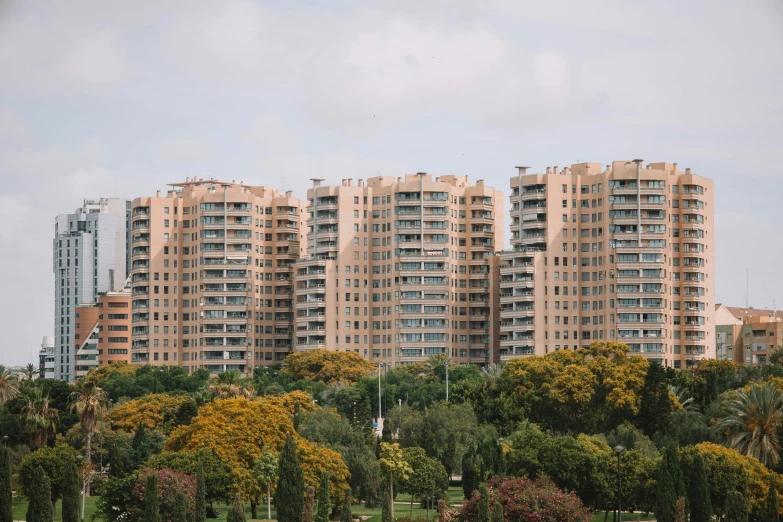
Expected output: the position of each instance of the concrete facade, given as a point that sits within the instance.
(90, 256)
(750, 335)
(212, 275)
(624, 253)
(401, 269)
(46, 358)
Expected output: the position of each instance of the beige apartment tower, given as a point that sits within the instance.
(212, 266)
(400, 269)
(623, 253)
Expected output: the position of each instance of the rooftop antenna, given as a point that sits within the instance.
(282, 181)
(747, 285)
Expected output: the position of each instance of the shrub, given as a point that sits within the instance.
(525, 499)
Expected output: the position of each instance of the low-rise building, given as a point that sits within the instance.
(747, 335)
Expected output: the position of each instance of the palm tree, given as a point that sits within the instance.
(30, 371)
(231, 384)
(750, 421)
(9, 386)
(89, 403)
(687, 403)
(492, 372)
(38, 418)
(435, 366)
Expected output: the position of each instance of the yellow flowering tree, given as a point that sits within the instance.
(238, 430)
(589, 388)
(156, 411)
(327, 366)
(728, 470)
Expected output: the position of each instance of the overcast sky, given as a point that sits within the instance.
(119, 98)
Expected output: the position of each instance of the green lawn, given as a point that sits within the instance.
(599, 517)
(401, 508)
(19, 509)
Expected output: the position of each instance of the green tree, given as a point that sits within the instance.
(200, 511)
(665, 496)
(427, 442)
(345, 513)
(5, 486)
(289, 498)
(699, 492)
(216, 473)
(772, 514)
(386, 434)
(151, 499)
(736, 507)
(483, 504)
(324, 502)
(9, 385)
(307, 514)
(39, 507)
(449, 454)
(468, 473)
(751, 420)
(386, 512)
(655, 408)
(71, 492)
(265, 472)
(38, 418)
(428, 478)
(53, 461)
(394, 466)
(180, 512)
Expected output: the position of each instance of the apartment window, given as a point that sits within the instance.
(355, 215)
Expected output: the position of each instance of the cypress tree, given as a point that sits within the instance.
(40, 507)
(386, 515)
(151, 500)
(665, 497)
(324, 502)
(200, 511)
(290, 486)
(699, 492)
(386, 435)
(483, 504)
(70, 490)
(468, 474)
(449, 454)
(5, 486)
(180, 508)
(773, 515)
(345, 514)
(307, 515)
(736, 507)
(428, 438)
(655, 405)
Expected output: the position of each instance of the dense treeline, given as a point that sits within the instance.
(546, 427)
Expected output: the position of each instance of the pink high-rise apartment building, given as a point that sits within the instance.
(212, 267)
(624, 253)
(400, 269)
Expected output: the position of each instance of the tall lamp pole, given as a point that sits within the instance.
(379, 394)
(446, 364)
(619, 450)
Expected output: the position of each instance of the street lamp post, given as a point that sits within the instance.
(5, 440)
(446, 364)
(84, 487)
(619, 450)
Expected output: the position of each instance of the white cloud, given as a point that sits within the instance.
(42, 56)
